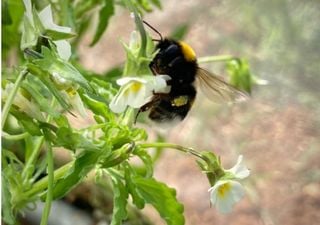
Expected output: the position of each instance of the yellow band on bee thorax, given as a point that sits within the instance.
(187, 51)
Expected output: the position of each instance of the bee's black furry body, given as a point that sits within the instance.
(173, 61)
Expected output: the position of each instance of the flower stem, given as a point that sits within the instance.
(46, 212)
(220, 58)
(172, 146)
(7, 105)
(14, 137)
(42, 184)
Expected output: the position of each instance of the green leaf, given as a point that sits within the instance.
(119, 201)
(81, 167)
(240, 75)
(29, 124)
(97, 107)
(180, 31)
(29, 36)
(11, 33)
(131, 187)
(54, 65)
(6, 16)
(105, 14)
(146, 159)
(40, 94)
(57, 35)
(157, 3)
(6, 205)
(44, 77)
(145, 5)
(71, 140)
(162, 198)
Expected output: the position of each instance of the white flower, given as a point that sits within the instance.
(136, 92)
(75, 101)
(240, 171)
(225, 193)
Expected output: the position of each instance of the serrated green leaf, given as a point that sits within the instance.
(162, 198)
(105, 14)
(119, 201)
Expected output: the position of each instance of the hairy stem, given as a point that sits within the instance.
(172, 146)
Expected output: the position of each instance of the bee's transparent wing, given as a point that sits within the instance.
(216, 89)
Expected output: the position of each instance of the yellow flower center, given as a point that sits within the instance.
(135, 87)
(224, 189)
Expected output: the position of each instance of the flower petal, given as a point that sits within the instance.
(124, 80)
(224, 194)
(160, 84)
(240, 171)
(118, 104)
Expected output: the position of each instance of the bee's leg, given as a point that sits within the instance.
(151, 67)
(146, 107)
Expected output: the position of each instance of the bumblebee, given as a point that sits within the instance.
(178, 60)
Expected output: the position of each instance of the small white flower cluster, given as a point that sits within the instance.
(135, 92)
(226, 192)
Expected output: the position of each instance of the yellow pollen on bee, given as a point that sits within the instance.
(180, 101)
(187, 51)
(224, 189)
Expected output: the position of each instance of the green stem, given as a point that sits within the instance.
(172, 146)
(47, 207)
(32, 158)
(42, 184)
(14, 137)
(220, 58)
(7, 105)
(36, 150)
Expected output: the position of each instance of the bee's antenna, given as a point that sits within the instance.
(154, 29)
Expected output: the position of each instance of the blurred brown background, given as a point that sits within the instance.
(277, 130)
